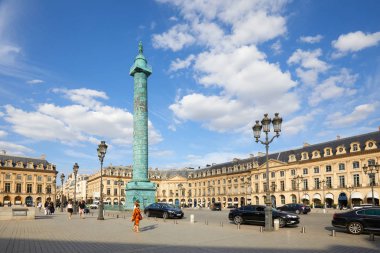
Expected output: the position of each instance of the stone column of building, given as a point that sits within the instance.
(140, 188)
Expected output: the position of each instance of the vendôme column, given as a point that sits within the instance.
(140, 188)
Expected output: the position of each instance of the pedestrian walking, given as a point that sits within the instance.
(70, 209)
(82, 206)
(39, 205)
(136, 217)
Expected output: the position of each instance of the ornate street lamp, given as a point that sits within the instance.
(265, 126)
(102, 149)
(299, 179)
(119, 184)
(75, 169)
(62, 179)
(371, 170)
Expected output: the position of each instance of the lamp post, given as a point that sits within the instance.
(55, 192)
(350, 188)
(102, 149)
(265, 126)
(119, 184)
(180, 186)
(75, 169)
(62, 179)
(371, 170)
(323, 195)
(298, 178)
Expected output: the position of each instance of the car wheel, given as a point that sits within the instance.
(147, 214)
(355, 228)
(297, 211)
(238, 220)
(282, 222)
(165, 215)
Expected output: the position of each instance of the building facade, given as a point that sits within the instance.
(26, 181)
(328, 173)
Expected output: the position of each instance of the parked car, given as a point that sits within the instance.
(217, 206)
(361, 206)
(163, 210)
(93, 206)
(295, 208)
(359, 220)
(255, 214)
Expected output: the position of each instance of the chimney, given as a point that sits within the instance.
(43, 157)
(260, 154)
(251, 155)
(305, 144)
(338, 137)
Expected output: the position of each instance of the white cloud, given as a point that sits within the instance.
(359, 114)
(86, 97)
(3, 133)
(175, 39)
(311, 39)
(298, 124)
(178, 64)
(35, 81)
(333, 88)
(14, 149)
(311, 65)
(276, 47)
(77, 123)
(355, 41)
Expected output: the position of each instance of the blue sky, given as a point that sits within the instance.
(217, 67)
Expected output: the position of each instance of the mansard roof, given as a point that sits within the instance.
(24, 160)
(283, 156)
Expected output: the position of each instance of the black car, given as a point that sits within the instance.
(295, 208)
(163, 210)
(357, 221)
(255, 214)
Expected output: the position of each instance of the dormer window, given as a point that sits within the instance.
(341, 150)
(370, 145)
(316, 154)
(355, 147)
(305, 156)
(328, 152)
(292, 158)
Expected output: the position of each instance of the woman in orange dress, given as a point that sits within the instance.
(136, 217)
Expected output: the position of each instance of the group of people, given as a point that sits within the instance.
(49, 208)
(70, 209)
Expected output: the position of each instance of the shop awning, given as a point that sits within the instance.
(329, 196)
(317, 196)
(356, 195)
(305, 196)
(376, 195)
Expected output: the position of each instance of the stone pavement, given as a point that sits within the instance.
(56, 233)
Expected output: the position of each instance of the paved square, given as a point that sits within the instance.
(58, 234)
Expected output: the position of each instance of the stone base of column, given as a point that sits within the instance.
(144, 192)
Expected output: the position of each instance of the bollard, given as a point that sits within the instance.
(333, 234)
(303, 231)
(261, 229)
(276, 223)
(164, 219)
(191, 218)
(238, 226)
(206, 222)
(221, 223)
(371, 237)
(117, 216)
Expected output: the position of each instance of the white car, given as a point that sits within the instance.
(94, 206)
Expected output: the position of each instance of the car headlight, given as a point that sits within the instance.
(292, 216)
(171, 211)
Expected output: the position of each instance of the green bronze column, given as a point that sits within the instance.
(140, 188)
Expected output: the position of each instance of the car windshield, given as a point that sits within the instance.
(169, 205)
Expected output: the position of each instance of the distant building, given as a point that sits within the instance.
(26, 181)
(329, 172)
